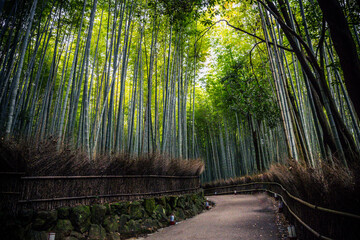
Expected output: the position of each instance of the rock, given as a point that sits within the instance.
(111, 223)
(160, 213)
(161, 200)
(44, 220)
(69, 238)
(119, 208)
(38, 224)
(80, 218)
(25, 216)
(173, 202)
(108, 210)
(97, 232)
(63, 228)
(148, 226)
(168, 209)
(113, 236)
(36, 235)
(188, 202)
(199, 205)
(133, 226)
(11, 230)
(77, 235)
(137, 211)
(123, 220)
(149, 205)
(181, 202)
(98, 213)
(63, 212)
(180, 215)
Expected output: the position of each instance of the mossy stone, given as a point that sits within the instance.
(181, 202)
(98, 213)
(180, 215)
(148, 226)
(69, 238)
(78, 235)
(80, 218)
(108, 210)
(168, 209)
(160, 213)
(63, 228)
(133, 226)
(36, 235)
(26, 216)
(149, 205)
(96, 232)
(137, 211)
(113, 236)
(119, 208)
(161, 200)
(122, 220)
(111, 223)
(44, 220)
(173, 202)
(63, 212)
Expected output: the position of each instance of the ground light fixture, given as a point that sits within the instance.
(51, 236)
(207, 205)
(291, 232)
(172, 219)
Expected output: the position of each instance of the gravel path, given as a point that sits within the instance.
(247, 217)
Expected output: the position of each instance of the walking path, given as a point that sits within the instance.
(248, 217)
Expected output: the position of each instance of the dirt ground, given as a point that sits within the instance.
(247, 217)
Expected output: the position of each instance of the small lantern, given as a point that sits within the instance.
(281, 206)
(172, 219)
(207, 205)
(51, 236)
(292, 233)
(234, 192)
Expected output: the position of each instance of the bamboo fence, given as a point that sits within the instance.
(51, 192)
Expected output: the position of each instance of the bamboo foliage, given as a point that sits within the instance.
(146, 76)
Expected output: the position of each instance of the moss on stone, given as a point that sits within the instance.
(64, 227)
(137, 211)
(111, 223)
(80, 218)
(63, 212)
(97, 232)
(44, 220)
(149, 205)
(98, 213)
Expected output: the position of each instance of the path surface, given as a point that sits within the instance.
(248, 217)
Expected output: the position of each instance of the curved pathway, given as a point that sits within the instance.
(248, 217)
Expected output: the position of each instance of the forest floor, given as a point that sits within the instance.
(247, 217)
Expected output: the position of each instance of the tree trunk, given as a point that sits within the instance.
(345, 47)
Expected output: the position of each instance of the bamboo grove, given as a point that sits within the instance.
(106, 76)
(240, 84)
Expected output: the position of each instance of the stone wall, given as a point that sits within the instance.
(111, 221)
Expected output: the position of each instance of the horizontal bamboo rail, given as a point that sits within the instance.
(346, 214)
(318, 235)
(50, 192)
(106, 176)
(108, 195)
(210, 191)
